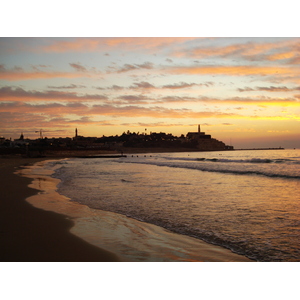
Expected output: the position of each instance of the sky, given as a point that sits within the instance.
(243, 91)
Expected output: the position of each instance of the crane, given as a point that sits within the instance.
(41, 133)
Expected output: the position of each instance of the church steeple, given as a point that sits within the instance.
(21, 136)
(76, 133)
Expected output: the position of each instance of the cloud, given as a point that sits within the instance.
(242, 70)
(57, 110)
(130, 67)
(178, 99)
(116, 87)
(281, 55)
(9, 93)
(295, 60)
(78, 67)
(253, 101)
(133, 98)
(18, 73)
(71, 86)
(19, 119)
(151, 125)
(142, 85)
(18, 94)
(57, 115)
(181, 85)
(45, 109)
(29, 123)
(105, 44)
(154, 112)
(269, 89)
(228, 101)
(261, 50)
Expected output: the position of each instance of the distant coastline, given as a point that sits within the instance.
(278, 148)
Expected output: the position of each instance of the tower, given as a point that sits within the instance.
(199, 128)
(76, 133)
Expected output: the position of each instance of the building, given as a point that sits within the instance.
(205, 142)
(197, 135)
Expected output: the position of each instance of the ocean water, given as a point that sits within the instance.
(245, 201)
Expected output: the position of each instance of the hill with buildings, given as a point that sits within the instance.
(193, 141)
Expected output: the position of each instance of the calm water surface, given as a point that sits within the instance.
(247, 201)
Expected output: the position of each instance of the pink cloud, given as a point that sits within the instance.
(243, 70)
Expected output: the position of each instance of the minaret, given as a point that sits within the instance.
(76, 133)
(199, 128)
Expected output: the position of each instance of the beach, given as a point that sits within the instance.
(31, 234)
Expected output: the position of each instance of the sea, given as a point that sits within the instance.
(247, 201)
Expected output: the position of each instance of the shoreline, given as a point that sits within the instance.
(59, 226)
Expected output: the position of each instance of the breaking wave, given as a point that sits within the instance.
(252, 160)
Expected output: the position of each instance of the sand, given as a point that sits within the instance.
(29, 234)
(32, 234)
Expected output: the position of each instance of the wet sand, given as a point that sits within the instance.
(33, 233)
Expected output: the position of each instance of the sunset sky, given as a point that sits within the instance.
(243, 91)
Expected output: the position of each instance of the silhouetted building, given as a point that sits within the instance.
(205, 142)
(197, 135)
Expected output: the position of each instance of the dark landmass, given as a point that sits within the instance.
(125, 143)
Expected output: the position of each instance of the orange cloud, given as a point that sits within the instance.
(56, 109)
(235, 70)
(282, 55)
(104, 44)
(251, 101)
(252, 50)
(147, 42)
(155, 112)
(73, 45)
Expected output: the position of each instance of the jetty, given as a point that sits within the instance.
(100, 156)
